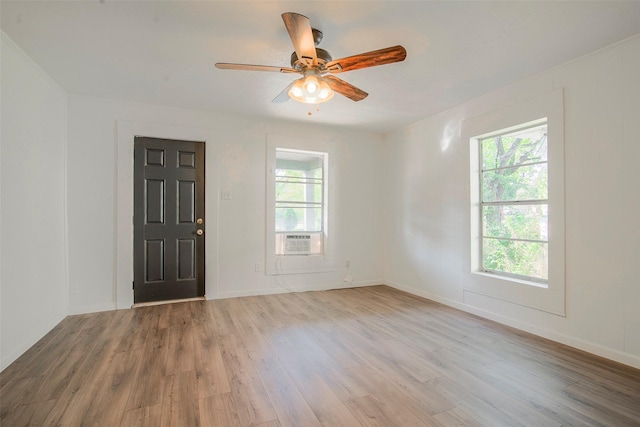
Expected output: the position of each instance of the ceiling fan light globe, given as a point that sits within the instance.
(311, 84)
(296, 91)
(325, 93)
(300, 92)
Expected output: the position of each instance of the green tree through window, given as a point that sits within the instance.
(514, 203)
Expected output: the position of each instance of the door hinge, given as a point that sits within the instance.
(133, 285)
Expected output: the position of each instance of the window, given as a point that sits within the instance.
(299, 202)
(300, 236)
(514, 207)
(516, 204)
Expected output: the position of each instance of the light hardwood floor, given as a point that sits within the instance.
(371, 356)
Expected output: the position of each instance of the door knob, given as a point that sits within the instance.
(199, 232)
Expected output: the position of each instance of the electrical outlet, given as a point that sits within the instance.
(225, 195)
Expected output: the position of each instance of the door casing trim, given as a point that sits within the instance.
(123, 237)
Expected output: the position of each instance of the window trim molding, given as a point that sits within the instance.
(299, 264)
(529, 294)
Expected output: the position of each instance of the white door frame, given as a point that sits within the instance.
(126, 132)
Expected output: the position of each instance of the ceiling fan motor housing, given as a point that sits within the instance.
(323, 58)
(317, 36)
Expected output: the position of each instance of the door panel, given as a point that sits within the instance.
(154, 157)
(168, 198)
(186, 160)
(154, 263)
(155, 201)
(186, 255)
(186, 200)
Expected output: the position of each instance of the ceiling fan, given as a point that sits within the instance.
(317, 67)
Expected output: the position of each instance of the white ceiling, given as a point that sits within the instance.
(164, 52)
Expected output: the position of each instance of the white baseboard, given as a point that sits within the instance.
(571, 341)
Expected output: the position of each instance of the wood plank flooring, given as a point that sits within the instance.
(370, 356)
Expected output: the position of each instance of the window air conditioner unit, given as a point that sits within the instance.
(297, 244)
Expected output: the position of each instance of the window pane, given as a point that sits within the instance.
(299, 189)
(300, 165)
(296, 190)
(298, 218)
(516, 221)
(515, 257)
(515, 148)
(517, 183)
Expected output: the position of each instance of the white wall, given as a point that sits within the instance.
(427, 205)
(34, 274)
(236, 155)
(423, 210)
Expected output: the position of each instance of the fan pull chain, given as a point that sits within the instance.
(309, 113)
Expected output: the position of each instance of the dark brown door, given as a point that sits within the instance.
(168, 221)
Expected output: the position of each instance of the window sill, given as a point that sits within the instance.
(512, 279)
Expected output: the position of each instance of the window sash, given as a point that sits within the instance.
(522, 181)
(312, 186)
(514, 239)
(516, 221)
(542, 282)
(515, 202)
(298, 180)
(514, 167)
(304, 189)
(537, 271)
(292, 204)
(305, 219)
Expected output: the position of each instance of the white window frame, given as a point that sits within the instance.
(317, 237)
(478, 141)
(285, 264)
(549, 298)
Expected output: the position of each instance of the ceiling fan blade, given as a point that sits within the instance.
(249, 67)
(284, 95)
(345, 89)
(299, 29)
(374, 58)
